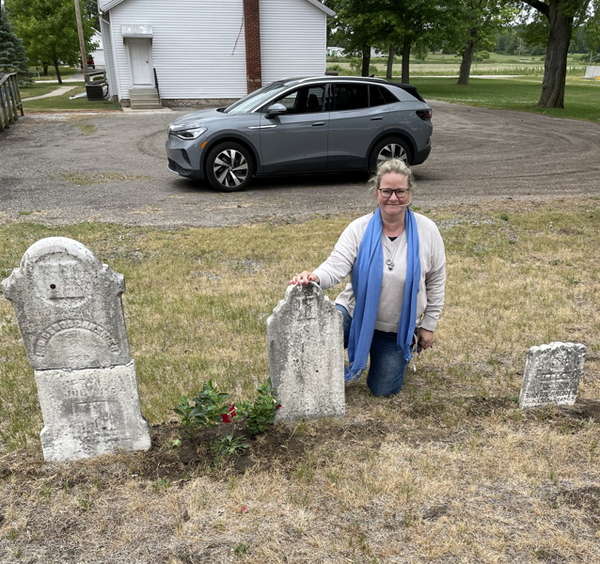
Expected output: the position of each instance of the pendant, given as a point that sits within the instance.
(389, 264)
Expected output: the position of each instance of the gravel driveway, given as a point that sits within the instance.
(111, 167)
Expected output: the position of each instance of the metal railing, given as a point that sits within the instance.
(156, 84)
(10, 100)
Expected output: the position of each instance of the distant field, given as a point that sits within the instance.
(452, 68)
(450, 64)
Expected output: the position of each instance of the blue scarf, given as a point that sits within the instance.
(367, 275)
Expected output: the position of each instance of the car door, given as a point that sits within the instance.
(296, 141)
(352, 125)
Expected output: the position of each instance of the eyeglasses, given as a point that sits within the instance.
(400, 193)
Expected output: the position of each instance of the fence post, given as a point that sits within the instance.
(3, 109)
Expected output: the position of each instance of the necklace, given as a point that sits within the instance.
(389, 262)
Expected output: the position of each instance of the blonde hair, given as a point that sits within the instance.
(391, 165)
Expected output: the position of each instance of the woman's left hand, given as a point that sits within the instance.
(424, 338)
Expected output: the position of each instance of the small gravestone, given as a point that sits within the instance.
(306, 354)
(68, 306)
(552, 374)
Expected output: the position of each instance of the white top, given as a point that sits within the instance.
(430, 299)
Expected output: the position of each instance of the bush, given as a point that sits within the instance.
(204, 410)
(210, 407)
(259, 415)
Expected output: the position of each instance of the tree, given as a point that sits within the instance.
(12, 52)
(592, 34)
(561, 15)
(48, 30)
(358, 25)
(472, 25)
(416, 20)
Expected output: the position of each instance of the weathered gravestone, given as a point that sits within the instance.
(306, 354)
(68, 306)
(552, 374)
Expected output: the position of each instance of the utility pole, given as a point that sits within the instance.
(82, 52)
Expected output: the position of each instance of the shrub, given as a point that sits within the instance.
(259, 415)
(204, 410)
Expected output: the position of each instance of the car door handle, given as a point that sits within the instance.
(376, 118)
(317, 123)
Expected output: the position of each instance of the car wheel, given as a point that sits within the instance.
(389, 148)
(229, 167)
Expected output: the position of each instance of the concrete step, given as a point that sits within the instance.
(145, 98)
(142, 90)
(145, 105)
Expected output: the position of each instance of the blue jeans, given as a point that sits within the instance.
(387, 366)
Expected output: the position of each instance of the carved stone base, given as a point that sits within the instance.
(90, 412)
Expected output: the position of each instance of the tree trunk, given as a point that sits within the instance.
(406, 46)
(465, 63)
(390, 63)
(58, 77)
(45, 69)
(555, 63)
(366, 60)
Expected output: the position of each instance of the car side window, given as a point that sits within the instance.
(379, 96)
(351, 96)
(305, 100)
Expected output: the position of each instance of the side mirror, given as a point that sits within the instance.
(275, 109)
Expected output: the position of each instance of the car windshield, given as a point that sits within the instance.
(254, 99)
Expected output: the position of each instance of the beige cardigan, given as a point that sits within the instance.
(430, 299)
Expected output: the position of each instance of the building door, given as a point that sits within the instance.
(141, 61)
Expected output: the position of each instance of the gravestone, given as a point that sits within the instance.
(306, 354)
(68, 306)
(592, 72)
(552, 374)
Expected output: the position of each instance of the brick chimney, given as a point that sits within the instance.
(252, 35)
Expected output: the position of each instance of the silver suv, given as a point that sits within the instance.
(300, 125)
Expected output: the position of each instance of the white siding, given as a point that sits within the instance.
(109, 60)
(198, 48)
(293, 39)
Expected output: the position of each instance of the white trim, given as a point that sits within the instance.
(141, 31)
(110, 4)
(322, 7)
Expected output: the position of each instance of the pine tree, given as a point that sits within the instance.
(12, 52)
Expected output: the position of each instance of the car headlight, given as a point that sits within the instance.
(186, 131)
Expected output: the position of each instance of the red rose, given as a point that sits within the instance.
(231, 413)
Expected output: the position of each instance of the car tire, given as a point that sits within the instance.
(229, 167)
(389, 148)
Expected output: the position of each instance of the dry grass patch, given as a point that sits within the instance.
(91, 178)
(450, 470)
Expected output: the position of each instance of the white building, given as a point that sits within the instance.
(208, 50)
(98, 52)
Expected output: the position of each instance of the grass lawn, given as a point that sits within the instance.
(62, 103)
(40, 89)
(581, 96)
(448, 470)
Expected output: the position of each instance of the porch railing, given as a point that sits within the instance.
(10, 100)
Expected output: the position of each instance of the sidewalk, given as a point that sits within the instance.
(58, 92)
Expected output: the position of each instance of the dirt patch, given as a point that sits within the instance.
(586, 499)
(566, 419)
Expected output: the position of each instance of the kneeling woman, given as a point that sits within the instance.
(397, 265)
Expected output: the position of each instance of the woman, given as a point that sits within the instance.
(398, 270)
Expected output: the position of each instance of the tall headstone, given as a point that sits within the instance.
(552, 374)
(68, 306)
(306, 354)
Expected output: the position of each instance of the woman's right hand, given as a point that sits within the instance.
(304, 278)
